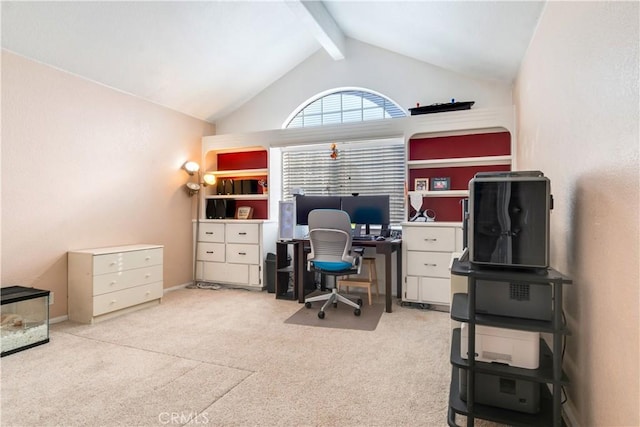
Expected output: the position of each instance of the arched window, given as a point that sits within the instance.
(342, 168)
(344, 106)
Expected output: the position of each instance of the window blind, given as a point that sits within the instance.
(366, 168)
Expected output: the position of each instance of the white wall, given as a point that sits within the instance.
(577, 109)
(87, 166)
(404, 80)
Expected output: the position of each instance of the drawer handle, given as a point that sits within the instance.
(147, 275)
(431, 240)
(113, 301)
(430, 265)
(113, 263)
(209, 252)
(208, 232)
(242, 253)
(148, 292)
(147, 258)
(243, 233)
(113, 282)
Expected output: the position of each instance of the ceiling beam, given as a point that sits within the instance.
(322, 25)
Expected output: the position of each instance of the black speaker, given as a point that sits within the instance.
(228, 186)
(216, 209)
(249, 186)
(237, 186)
(230, 209)
(220, 184)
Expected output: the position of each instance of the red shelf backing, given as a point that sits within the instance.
(242, 160)
(447, 147)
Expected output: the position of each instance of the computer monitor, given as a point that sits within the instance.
(368, 210)
(305, 204)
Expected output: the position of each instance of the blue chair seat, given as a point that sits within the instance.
(332, 266)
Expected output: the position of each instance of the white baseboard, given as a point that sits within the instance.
(177, 287)
(58, 319)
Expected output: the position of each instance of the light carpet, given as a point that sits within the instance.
(227, 358)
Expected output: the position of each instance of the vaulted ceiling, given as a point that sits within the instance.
(207, 58)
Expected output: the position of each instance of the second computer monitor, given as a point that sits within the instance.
(368, 210)
(305, 204)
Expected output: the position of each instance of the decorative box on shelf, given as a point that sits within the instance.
(24, 318)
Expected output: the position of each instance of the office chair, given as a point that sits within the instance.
(332, 254)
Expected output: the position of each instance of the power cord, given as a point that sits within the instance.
(204, 285)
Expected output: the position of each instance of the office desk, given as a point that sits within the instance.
(386, 248)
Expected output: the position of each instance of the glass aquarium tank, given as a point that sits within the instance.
(24, 318)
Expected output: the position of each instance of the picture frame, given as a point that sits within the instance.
(244, 212)
(440, 184)
(421, 184)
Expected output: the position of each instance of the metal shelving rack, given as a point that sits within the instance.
(549, 373)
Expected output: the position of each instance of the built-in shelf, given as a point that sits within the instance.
(240, 172)
(240, 196)
(443, 193)
(459, 162)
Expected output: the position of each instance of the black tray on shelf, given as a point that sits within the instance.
(439, 108)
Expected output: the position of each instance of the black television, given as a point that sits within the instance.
(305, 204)
(368, 210)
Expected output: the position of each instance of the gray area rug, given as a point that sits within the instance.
(340, 317)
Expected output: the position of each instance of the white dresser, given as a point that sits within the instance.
(232, 252)
(426, 255)
(104, 282)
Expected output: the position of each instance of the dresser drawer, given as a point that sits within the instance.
(432, 264)
(113, 301)
(243, 254)
(120, 261)
(211, 233)
(429, 238)
(225, 273)
(433, 290)
(243, 233)
(211, 252)
(126, 279)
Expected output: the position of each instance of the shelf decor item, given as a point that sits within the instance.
(440, 184)
(421, 184)
(439, 108)
(244, 212)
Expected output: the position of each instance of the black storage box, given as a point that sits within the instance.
(522, 300)
(508, 393)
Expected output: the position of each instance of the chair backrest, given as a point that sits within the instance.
(330, 236)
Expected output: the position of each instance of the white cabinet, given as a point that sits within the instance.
(427, 249)
(232, 252)
(104, 282)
